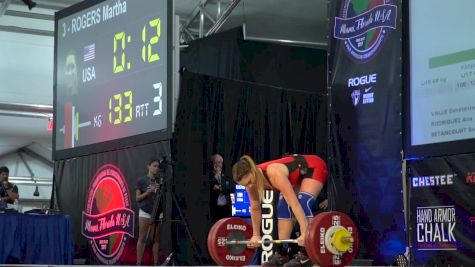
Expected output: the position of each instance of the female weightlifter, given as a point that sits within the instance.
(299, 178)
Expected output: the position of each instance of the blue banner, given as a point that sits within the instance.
(365, 86)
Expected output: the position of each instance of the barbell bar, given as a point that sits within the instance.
(342, 239)
(265, 242)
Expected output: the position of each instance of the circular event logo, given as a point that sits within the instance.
(363, 26)
(108, 219)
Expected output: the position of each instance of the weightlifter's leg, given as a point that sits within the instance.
(285, 226)
(285, 218)
(309, 189)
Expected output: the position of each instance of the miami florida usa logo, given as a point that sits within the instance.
(108, 220)
(363, 26)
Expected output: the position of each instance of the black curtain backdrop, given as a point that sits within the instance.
(227, 55)
(365, 86)
(235, 118)
(73, 179)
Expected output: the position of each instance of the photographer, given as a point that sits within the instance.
(145, 192)
(8, 191)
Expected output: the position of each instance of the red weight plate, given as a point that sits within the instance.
(230, 255)
(210, 241)
(315, 239)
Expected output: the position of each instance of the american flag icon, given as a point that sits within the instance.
(89, 52)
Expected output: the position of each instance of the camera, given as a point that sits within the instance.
(163, 165)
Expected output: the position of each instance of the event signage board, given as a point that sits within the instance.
(97, 192)
(442, 214)
(108, 220)
(365, 87)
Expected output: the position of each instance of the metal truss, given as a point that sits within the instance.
(206, 19)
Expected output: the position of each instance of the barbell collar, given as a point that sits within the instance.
(347, 239)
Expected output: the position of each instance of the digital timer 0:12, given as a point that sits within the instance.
(147, 54)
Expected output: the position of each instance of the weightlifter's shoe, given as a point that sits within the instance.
(276, 260)
(300, 260)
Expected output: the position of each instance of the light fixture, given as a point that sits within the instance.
(37, 192)
(29, 3)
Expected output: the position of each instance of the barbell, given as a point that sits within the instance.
(331, 240)
(341, 239)
(265, 242)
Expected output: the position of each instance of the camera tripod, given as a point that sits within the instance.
(159, 206)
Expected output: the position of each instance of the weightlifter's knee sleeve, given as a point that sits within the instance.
(283, 209)
(306, 201)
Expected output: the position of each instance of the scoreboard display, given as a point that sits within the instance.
(112, 83)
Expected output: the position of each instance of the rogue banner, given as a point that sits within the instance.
(365, 87)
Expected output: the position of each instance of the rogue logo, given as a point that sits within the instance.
(364, 25)
(363, 80)
(267, 224)
(108, 217)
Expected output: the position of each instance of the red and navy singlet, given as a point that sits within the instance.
(300, 167)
